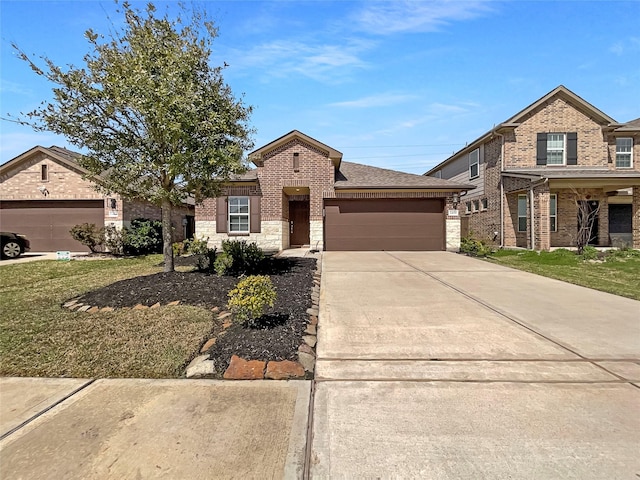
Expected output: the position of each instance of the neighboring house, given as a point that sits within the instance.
(303, 193)
(532, 171)
(44, 192)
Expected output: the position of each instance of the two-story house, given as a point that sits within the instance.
(302, 193)
(541, 174)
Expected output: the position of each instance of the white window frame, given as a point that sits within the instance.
(626, 153)
(474, 163)
(467, 207)
(553, 212)
(484, 204)
(557, 149)
(522, 214)
(476, 205)
(236, 203)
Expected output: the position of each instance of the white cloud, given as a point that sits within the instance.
(14, 88)
(631, 44)
(417, 16)
(380, 100)
(329, 63)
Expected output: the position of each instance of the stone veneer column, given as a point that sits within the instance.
(316, 234)
(635, 221)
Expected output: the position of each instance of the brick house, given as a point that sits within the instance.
(533, 171)
(302, 193)
(44, 192)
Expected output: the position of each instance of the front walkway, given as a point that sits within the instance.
(435, 365)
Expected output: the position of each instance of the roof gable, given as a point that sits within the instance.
(577, 102)
(258, 155)
(66, 158)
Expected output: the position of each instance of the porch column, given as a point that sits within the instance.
(541, 222)
(635, 220)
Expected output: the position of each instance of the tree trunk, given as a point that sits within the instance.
(167, 236)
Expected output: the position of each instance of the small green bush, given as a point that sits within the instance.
(622, 254)
(249, 300)
(223, 263)
(474, 247)
(246, 258)
(589, 253)
(89, 235)
(144, 236)
(114, 239)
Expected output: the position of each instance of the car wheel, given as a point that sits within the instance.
(11, 249)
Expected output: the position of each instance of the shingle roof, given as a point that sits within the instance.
(355, 175)
(565, 172)
(248, 176)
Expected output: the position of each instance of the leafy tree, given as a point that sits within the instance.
(156, 119)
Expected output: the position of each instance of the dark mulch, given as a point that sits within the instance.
(279, 332)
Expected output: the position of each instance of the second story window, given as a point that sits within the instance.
(44, 172)
(624, 152)
(555, 149)
(474, 164)
(296, 162)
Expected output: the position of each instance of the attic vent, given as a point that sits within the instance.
(296, 162)
(44, 172)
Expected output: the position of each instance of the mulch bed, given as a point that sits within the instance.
(281, 328)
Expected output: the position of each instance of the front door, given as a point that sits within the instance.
(299, 223)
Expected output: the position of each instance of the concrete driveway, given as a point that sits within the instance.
(436, 365)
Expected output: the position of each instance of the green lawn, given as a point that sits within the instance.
(618, 272)
(40, 338)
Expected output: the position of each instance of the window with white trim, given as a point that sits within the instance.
(556, 152)
(522, 213)
(485, 204)
(476, 205)
(474, 163)
(553, 212)
(467, 207)
(238, 215)
(624, 152)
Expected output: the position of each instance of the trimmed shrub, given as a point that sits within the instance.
(114, 239)
(246, 258)
(88, 235)
(474, 247)
(144, 236)
(249, 300)
(222, 263)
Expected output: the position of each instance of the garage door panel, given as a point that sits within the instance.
(47, 223)
(384, 224)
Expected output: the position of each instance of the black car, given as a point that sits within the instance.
(12, 245)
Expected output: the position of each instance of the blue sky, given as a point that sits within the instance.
(399, 84)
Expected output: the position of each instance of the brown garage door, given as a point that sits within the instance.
(384, 224)
(46, 223)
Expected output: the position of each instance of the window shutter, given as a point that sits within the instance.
(572, 148)
(541, 156)
(254, 208)
(221, 215)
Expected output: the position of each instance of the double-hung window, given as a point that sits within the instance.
(238, 215)
(474, 161)
(553, 212)
(555, 149)
(522, 213)
(624, 152)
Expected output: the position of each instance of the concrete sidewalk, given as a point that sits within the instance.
(436, 365)
(178, 429)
